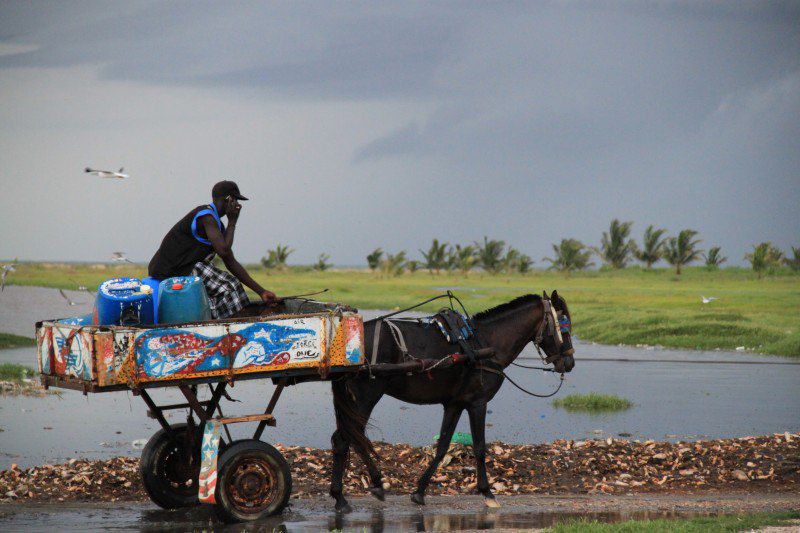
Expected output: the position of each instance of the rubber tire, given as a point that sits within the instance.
(159, 491)
(244, 449)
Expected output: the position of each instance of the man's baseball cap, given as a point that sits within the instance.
(227, 188)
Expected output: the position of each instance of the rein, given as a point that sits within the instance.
(449, 294)
(551, 323)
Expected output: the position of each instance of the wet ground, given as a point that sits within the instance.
(442, 513)
(677, 395)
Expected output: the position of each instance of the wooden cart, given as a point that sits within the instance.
(186, 463)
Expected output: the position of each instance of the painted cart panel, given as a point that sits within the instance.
(116, 355)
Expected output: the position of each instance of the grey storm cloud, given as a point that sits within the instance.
(676, 113)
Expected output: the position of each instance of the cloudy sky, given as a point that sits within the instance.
(357, 125)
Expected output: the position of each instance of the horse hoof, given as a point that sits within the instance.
(418, 498)
(378, 492)
(491, 502)
(344, 508)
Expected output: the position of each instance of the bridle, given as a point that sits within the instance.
(552, 324)
(549, 324)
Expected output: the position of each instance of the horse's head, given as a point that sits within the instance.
(553, 336)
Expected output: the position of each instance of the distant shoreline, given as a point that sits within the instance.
(633, 307)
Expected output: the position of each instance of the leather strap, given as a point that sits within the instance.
(376, 336)
(398, 338)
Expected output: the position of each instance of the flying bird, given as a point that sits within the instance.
(119, 257)
(83, 288)
(6, 270)
(64, 295)
(707, 300)
(108, 173)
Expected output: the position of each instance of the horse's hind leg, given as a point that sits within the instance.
(369, 400)
(341, 453)
(375, 475)
(449, 421)
(477, 425)
(352, 413)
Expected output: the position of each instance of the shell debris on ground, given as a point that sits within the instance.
(769, 463)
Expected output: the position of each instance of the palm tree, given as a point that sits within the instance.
(794, 261)
(524, 264)
(394, 264)
(490, 254)
(465, 258)
(682, 250)
(374, 259)
(413, 265)
(277, 258)
(322, 263)
(569, 255)
(713, 258)
(435, 256)
(511, 260)
(451, 259)
(653, 246)
(765, 256)
(615, 247)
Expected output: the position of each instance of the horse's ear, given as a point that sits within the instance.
(545, 296)
(556, 299)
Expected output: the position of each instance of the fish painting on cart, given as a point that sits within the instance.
(176, 352)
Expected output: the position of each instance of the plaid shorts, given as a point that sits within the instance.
(225, 293)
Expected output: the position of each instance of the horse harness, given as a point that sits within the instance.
(454, 327)
(458, 329)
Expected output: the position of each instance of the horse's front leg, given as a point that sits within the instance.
(477, 425)
(341, 451)
(449, 421)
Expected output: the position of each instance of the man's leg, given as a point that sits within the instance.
(225, 293)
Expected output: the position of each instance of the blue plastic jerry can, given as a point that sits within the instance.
(183, 299)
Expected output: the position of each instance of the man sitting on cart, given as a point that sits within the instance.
(190, 246)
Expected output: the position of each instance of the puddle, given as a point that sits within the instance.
(672, 401)
(303, 516)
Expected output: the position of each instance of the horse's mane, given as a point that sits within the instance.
(504, 308)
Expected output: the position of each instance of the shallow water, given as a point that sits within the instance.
(672, 401)
(21, 307)
(313, 515)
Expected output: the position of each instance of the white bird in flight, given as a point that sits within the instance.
(707, 300)
(108, 173)
(64, 295)
(83, 288)
(6, 270)
(119, 257)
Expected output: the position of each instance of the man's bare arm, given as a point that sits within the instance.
(223, 249)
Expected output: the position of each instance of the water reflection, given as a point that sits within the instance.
(306, 516)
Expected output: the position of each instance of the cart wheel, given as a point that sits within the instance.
(254, 481)
(170, 469)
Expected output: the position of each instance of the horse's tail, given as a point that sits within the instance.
(349, 421)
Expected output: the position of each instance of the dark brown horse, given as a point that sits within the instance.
(507, 328)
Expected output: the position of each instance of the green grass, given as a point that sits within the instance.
(711, 524)
(14, 372)
(631, 306)
(593, 403)
(7, 340)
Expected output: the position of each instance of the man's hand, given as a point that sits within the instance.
(269, 297)
(232, 209)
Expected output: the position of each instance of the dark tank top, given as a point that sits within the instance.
(184, 245)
